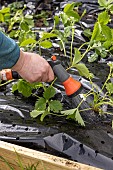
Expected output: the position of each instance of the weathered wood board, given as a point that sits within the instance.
(11, 153)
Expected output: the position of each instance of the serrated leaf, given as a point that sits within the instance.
(55, 106)
(44, 115)
(107, 44)
(79, 118)
(40, 104)
(109, 87)
(5, 10)
(1, 17)
(67, 31)
(49, 93)
(36, 113)
(93, 57)
(77, 56)
(87, 33)
(73, 14)
(27, 42)
(96, 31)
(14, 87)
(24, 26)
(68, 112)
(56, 20)
(47, 36)
(107, 32)
(64, 18)
(69, 7)
(102, 3)
(103, 53)
(83, 70)
(110, 1)
(75, 115)
(103, 18)
(24, 88)
(46, 44)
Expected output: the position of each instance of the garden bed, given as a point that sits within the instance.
(92, 144)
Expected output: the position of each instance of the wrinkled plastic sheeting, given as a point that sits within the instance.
(77, 151)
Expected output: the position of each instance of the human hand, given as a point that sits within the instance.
(33, 68)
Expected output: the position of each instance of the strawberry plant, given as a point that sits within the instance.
(45, 105)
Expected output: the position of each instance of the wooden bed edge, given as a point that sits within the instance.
(12, 153)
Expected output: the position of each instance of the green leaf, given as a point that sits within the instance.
(73, 14)
(49, 93)
(60, 35)
(69, 7)
(40, 104)
(109, 87)
(36, 113)
(68, 112)
(110, 1)
(67, 31)
(77, 57)
(103, 18)
(102, 3)
(47, 36)
(14, 88)
(74, 114)
(83, 70)
(46, 23)
(24, 88)
(96, 31)
(103, 53)
(24, 26)
(111, 9)
(44, 115)
(27, 42)
(87, 33)
(30, 17)
(79, 118)
(55, 106)
(46, 44)
(93, 57)
(64, 18)
(5, 10)
(56, 20)
(107, 44)
(1, 17)
(107, 32)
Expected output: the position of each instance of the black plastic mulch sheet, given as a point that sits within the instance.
(91, 145)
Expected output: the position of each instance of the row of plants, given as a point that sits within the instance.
(19, 25)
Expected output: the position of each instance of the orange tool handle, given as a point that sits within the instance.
(8, 74)
(72, 86)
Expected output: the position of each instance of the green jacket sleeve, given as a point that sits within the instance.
(9, 52)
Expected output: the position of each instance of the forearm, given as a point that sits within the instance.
(9, 52)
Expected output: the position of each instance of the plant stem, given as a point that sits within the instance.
(107, 78)
(63, 47)
(72, 39)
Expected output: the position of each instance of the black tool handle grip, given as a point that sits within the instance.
(59, 70)
(15, 75)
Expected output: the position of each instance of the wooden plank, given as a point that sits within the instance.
(45, 161)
